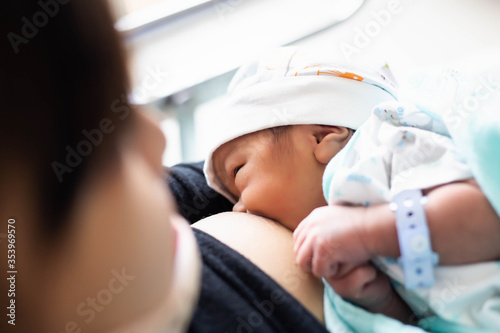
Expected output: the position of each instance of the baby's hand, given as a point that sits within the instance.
(369, 288)
(363, 285)
(328, 237)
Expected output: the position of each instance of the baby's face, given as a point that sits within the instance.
(279, 180)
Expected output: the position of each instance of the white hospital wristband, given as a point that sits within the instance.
(417, 258)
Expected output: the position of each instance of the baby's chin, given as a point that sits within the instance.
(290, 223)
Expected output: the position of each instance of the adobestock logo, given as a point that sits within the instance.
(30, 28)
(363, 37)
(92, 306)
(93, 138)
(225, 7)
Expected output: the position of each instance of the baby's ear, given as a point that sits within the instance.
(330, 140)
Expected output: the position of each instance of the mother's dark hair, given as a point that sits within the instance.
(63, 89)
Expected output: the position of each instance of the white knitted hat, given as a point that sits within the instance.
(289, 86)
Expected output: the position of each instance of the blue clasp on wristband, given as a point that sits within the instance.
(417, 258)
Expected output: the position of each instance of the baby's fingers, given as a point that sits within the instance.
(304, 253)
(300, 234)
(323, 260)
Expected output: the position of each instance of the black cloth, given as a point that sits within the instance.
(236, 296)
(195, 200)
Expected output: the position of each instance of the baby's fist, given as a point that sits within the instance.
(328, 237)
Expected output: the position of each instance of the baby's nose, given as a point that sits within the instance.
(239, 207)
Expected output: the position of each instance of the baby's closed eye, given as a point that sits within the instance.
(236, 169)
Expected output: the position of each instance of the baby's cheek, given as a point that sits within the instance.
(254, 198)
(260, 199)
